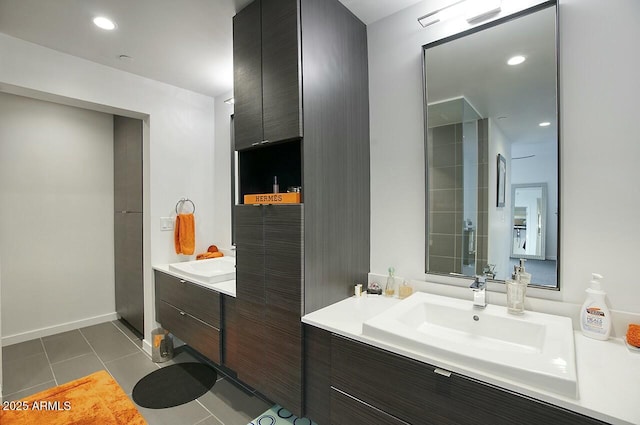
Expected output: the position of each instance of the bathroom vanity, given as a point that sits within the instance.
(191, 312)
(196, 304)
(352, 379)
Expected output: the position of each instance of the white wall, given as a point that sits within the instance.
(222, 172)
(56, 214)
(599, 147)
(178, 136)
(499, 217)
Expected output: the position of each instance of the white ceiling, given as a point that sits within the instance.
(185, 43)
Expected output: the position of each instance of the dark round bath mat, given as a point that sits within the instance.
(174, 385)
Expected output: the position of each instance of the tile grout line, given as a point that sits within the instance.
(209, 417)
(201, 421)
(71, 358)
(122, 357)
(96, 354)
(49, 362)
(127, 336)
(26, 389)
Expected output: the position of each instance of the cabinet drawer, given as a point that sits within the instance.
(400, 386)
(412, 392)
(192, 299)
(195, 333)
(346, 410)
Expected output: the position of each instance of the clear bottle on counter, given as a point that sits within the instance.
(390, 289)
(516, 291)
(404, 290)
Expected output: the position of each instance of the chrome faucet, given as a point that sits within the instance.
(478, 287)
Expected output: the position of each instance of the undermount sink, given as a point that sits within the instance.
(210, 271)
(534, 349)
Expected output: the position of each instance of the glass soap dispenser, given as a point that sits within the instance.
(390, 289)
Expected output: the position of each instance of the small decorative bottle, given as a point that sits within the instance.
(404, 290)
(390, 289)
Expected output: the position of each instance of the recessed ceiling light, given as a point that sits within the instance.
(545, 124)
(104, 23)
(516, 60)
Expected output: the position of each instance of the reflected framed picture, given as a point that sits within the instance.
(502, 180)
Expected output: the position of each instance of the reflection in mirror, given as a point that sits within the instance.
(480, 108)
(529, 216)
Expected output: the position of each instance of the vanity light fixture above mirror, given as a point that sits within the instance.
(473, 11)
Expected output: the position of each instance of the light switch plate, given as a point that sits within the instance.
(166, 223)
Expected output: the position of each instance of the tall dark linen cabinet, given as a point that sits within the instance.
(301, 113)
(127, 172)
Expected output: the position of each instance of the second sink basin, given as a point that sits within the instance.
(535, 349)
(209, 271)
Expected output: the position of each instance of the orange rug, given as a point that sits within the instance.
(94, 399)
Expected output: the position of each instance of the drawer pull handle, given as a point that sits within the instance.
(182, 313)
(255, 144)
(183, 281)
(265, 142)
(442, 372)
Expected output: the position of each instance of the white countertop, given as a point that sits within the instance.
(608, 373)
(228, 287)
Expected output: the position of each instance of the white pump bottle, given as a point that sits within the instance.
(595, 318)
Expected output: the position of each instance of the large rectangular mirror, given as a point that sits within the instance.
(492, 149)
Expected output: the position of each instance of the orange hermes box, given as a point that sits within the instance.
(273, 198)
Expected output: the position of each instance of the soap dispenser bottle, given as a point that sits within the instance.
(523, 276)
(595, 318)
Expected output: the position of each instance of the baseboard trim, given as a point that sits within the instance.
(146, 346)
(56, 329)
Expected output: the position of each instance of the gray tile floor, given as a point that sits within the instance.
(33, 366)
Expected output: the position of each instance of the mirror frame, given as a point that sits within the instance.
(470, 31)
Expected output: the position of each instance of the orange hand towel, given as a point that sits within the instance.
(207, 255)
(184, 235)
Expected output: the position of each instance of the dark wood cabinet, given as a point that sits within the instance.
(317, 374)
(127, 199)
(372, 380)
(190, 312)
(247, 76)
(281, 76)
(310, 89)
(267, 82)
(284, 257)
(230, 334)
(347, 410)
(249, 254)
(193, 331)
(269, 264)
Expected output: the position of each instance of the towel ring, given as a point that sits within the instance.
(181, 203)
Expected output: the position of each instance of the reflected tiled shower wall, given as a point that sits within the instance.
(445, 199)
(446, 209)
